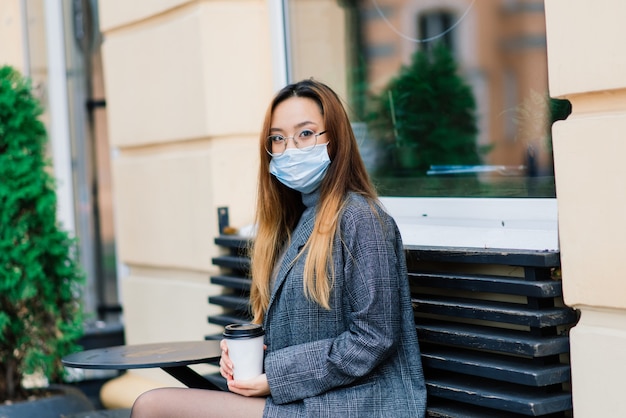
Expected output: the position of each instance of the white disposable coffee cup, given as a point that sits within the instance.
(245, 349)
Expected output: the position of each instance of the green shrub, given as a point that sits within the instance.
(426, 116)
(40, 281)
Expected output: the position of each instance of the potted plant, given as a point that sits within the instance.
(41, 315)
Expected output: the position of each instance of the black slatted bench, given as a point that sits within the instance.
(492, 325)
(234, 266)
(493, 331)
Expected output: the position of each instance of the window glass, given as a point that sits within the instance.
(448, 97)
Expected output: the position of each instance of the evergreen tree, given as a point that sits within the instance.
(427, 116)
(40, 282)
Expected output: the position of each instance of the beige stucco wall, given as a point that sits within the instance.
(587, 67)
(186, 83)
(11, 28)
(19, 49)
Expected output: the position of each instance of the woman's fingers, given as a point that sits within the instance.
(225, 370)
(226, 366)
(257, 386)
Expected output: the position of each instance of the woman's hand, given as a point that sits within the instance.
(226, 366)
(257, 386)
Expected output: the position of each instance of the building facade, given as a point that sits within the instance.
(186, 83)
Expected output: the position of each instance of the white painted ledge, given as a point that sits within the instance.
(525, 224)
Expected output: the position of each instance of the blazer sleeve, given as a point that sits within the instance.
(368, 261)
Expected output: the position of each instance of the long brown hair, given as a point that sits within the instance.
(279, 208)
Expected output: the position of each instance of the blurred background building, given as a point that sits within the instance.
(154, 107)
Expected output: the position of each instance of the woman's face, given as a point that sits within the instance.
(299, 121)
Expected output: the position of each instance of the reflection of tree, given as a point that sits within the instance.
(426, 116)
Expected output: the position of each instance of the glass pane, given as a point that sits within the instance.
(448, 98)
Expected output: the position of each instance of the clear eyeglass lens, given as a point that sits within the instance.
(304, 140)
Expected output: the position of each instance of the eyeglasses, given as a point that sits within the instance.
(304, 140)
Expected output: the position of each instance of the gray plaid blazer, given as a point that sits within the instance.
(360, 358)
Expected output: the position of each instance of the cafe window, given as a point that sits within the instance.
(448, 98)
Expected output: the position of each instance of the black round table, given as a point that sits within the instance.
(172, 357)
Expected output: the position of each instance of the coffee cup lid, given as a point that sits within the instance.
(235, 331)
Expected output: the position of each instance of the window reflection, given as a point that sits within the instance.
(448, 97)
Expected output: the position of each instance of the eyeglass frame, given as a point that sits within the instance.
(293, 138)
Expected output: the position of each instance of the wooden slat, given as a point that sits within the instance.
(525, 371)
(498, 395)
(492, 284)
(531, 258)
(232, 241)
(231, 282)
(238, 303)
(227, 319)
(490, 338)
(214, 337)
(446, 408)
(234, 262)
(510, 313)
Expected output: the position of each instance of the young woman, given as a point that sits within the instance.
(329, 282)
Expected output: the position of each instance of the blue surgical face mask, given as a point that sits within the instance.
(301, 170)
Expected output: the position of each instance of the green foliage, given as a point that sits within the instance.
(426, 116)
(40, 281)
(560, 109)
